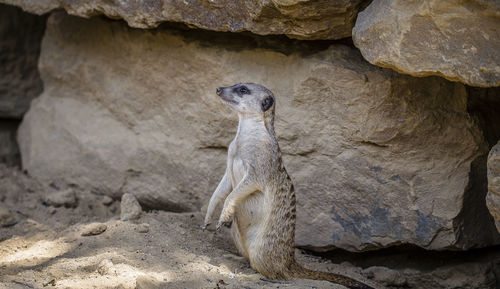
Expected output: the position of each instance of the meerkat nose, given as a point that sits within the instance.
(218, 90)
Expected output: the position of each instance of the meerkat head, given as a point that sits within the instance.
(248, 98)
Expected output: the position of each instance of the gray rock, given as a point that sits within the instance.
(65, 198)
(93, 229)
(130, 208)
(302, 19)
(107, 201)
(20, 39)
(377, 158)
(493, 196)
(454, 39)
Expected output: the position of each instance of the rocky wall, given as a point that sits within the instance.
(302, 19)
(378, 158)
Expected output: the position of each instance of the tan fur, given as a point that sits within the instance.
(258, 194)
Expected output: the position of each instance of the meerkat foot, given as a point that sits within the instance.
(204, 226)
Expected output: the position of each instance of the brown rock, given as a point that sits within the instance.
(493, 197)
(301, 19)
(377, 158)
(454, 39)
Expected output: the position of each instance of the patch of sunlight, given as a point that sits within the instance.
(119, 275)
(19, 254)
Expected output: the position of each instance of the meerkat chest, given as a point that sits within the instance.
(238, 171)
(236, 164)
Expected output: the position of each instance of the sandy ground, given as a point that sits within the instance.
(42, 246)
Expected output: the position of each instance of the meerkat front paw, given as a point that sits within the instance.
(226, 219)
(204, 226)
(221, 223)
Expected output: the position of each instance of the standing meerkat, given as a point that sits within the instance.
(258, 194)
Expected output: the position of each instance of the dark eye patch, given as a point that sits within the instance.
(242, 90)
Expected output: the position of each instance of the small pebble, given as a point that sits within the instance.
(106, 200)
(130, 208)
(143, 228)
(93, 229)
(105, 267)
(7, 218)
(65, 198)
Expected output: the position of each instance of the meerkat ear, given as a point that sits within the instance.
(267, 103)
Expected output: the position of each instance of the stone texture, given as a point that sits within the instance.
(301, 19)
(130, 208)
(493, 196)
(20, 38)
(378, 158)
(454, 39)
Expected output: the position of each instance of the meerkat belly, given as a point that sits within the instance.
(249, 214)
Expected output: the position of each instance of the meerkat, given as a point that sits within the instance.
(258, 194)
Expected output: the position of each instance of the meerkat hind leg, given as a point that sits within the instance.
(246, 222)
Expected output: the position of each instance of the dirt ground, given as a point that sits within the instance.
(86, 245)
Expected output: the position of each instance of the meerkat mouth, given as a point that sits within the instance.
(228, 101)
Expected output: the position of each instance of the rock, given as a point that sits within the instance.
(386, 276)
(93, 229)
(20, 38)
(377, 158)
(130, 208)
(65, 198)
(143, 228)
(493, 196)
(107, 201)
(302, 19)
(7, 218)
(454, 39)
(105, 267)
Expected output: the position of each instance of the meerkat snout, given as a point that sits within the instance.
(247, 98)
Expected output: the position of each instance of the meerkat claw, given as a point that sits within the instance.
(204, 226)
(223, 223)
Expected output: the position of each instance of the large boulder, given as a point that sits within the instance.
(20, 37)
(302, 19)
(378, 158)
(454, 39)
(493, 197)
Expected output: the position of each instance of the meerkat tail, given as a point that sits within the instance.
(302, 272)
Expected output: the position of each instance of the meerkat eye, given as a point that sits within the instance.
(243, 90)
